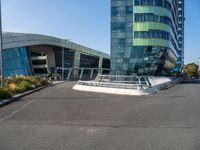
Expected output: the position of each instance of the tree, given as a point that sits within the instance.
(191, 70)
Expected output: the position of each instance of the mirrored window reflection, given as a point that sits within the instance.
(161, 3)
(16, 62)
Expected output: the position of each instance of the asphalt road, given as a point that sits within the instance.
(58, 118)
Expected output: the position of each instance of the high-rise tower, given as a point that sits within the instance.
(181, 19)
(147, 36)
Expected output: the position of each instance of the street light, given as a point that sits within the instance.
(1, 49)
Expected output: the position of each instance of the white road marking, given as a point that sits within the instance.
(25, 105)
(13, 113)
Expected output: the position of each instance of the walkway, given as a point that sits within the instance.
(58, 118)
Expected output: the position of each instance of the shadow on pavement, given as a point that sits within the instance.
(190, 82)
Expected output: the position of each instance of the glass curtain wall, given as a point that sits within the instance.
(181, 20)
(16, 62)
(121, 35)
(145, 36)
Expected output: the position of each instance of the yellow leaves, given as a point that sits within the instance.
(12, 86)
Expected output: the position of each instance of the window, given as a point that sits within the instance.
(161, 3)
(137, 2)
(40, 71)
(117, 11)
(36, 54)
(153, 34)
(153, 18)
(118, 26)
(138, 17)
(39, 62)
(129, 9)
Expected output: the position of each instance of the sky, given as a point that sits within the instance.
(86, 22)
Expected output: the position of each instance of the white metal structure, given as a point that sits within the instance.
(126, 85)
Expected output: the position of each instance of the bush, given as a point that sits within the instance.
(12, 87)
(34, 81)
(5, 94)
(44, 81)
(23, 86)
(10, 80)
(20, 78)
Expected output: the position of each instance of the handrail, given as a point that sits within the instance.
(112, 85)
(149, 81)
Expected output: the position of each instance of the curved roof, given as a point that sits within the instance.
(13, 40)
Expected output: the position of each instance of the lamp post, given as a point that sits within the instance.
(1, 49)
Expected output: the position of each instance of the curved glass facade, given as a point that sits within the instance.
(160, 3)
(145, 36)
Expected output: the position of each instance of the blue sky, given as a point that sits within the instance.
(84, 21)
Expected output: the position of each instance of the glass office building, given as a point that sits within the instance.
(147, 37)
(41, 55)
(181, 19)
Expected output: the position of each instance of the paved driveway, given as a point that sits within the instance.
(58, 118)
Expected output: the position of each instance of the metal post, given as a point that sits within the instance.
(63, 57)
(69, 75)
(139, 81)
(91, 74)
(1, 49)
(146, 80)
(82, 70)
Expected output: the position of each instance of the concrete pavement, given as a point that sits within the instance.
(58, 118)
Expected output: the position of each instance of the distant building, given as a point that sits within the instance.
(34, 54)
(147, 37)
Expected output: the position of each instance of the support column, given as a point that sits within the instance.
(146, 80)
(91, 74)
(100, 65)
(77, 56)
(69, 74)
(82, 70)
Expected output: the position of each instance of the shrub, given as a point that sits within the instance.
(12, 87)
(44, 81)
(34, 81)
(20, 78)
(11, 80)
(23, 86)
(5, 94)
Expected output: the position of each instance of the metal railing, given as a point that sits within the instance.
(112, 85)
(127, 82)
(112, 81)
(77, 73)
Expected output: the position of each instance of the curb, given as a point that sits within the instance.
(161, 87)
(14, 98)
(60, 82)
(168, 85)
(123, 91)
